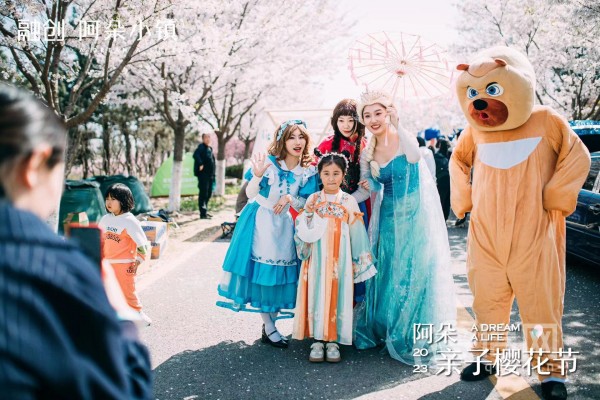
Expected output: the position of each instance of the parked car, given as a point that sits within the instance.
(583, 226)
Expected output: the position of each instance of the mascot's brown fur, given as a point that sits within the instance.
(518, 169)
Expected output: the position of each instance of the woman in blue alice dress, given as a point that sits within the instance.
(412, 296)
(261, 267)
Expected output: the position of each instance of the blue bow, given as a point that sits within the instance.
(287, 176)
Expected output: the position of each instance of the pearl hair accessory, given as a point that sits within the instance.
(336, 155)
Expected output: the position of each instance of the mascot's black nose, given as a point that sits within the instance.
(480, 105)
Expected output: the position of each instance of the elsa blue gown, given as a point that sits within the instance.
(414, 283)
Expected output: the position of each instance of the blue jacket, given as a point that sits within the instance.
(59, 336)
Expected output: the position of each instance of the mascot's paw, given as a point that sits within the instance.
(554, 391)
(485, 370)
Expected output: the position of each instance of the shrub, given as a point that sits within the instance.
(235, 171)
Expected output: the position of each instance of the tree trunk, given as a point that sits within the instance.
(221, 164)
(106, 145)
(247, 165)
(138, 161)
(52, 219)
(73, 149)
(128, 160)
(247, 146)
(151, 166)
(86, 160)
(175, 192)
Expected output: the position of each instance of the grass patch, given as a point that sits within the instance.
(189, 204)
(232, 189)
(216, 203)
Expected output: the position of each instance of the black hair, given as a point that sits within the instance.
(332, 158)
(123, 195)
(347, 107)
(443, 146)
(25, 123)
(421, 141)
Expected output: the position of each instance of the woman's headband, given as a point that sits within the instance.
(288, 123)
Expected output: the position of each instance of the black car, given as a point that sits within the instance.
(583, 226)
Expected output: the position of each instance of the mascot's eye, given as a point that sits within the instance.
(472, 92)
(494, 89)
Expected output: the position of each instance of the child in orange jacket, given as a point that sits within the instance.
(124, 242)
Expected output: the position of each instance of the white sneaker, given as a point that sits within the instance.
(333, 353)
(145, 318)
(316, 352)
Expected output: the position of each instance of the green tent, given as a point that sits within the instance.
(161, 186)
(141, 199)
(81, 196)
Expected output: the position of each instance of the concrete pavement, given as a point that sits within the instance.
(201, 351)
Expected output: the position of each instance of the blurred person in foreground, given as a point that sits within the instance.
(65, 328)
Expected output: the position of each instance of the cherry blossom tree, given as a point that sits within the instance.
(279, 49)
(233, 55)
(71, 53)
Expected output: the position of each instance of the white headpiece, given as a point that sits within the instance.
(370, 98)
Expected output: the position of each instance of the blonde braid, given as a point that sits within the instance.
(374, 165)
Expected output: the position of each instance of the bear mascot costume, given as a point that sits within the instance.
(517, 169)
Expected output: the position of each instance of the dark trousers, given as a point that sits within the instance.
(205, 188)
(443, 186)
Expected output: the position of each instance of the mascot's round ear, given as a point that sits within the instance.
(500, 62)
(462, 67)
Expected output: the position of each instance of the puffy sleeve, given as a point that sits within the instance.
(135, 231)
(260, 185)
(308, 186)
(363, 266)
(461, 164)
(572, 167)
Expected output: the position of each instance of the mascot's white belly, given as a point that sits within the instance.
(505, 155)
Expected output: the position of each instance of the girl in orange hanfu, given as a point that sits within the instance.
(332, 241)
